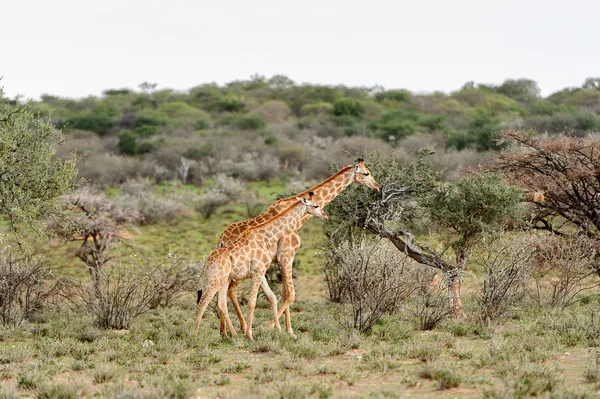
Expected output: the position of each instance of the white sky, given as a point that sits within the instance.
(79, 47)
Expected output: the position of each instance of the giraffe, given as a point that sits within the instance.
(249, 257)
(324, 193)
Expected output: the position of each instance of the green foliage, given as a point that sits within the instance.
(476, 204)
(146, 130)
(97, 123)
(396, 125)
(180, 109)
(519, 89)
(348, 107)
(32, 176)
(394, 95)
(128, 143)
(230, 104)
(481, 135)
(317, 109)
(247, 122)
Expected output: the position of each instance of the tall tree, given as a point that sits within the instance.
(561, 175)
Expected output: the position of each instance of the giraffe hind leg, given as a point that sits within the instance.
(202, 305)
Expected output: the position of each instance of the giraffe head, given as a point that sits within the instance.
(362, 175)
(312, 207)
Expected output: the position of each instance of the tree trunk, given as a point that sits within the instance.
(452, 272)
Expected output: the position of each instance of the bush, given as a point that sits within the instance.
(431, 308)
(125, 291)
(273, 111)
(128, 143)
(394, 95)
(224, 190)
(348, 107)
(247, 122)
(562, 270)
(25, 286)
(506, 268)
(230, 104)
(369, 278)
(137, 195)
(317, 109)
(396, 125)
(97, 123)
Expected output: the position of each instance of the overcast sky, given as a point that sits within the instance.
(75, 48)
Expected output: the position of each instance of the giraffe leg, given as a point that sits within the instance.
(256, 280)
(272, 299)
(203, 304)
(232, 293)
(225, 321)
(288, 292)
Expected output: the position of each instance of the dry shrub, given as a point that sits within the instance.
(124, 292)
(369, 278)
(80, 141)
(563, 269)
(138, 195)
(174, 275)
(249, 166)
(107, 170)
(274, 111)
(431, 306)
(506, 270)
(225, 189)
(26, 285)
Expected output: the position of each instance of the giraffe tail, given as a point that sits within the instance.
(199, 296)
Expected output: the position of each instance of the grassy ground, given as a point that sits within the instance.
(542, 353)
(548, 354)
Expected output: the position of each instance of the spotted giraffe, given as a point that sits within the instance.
(288, 246)
(249, 257)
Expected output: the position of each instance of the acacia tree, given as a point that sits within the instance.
(412, 202)
(31, 176)
(561, 175)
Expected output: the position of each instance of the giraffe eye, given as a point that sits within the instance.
(366, 174)
(316, 206)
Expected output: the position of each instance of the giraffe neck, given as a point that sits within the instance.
(278, 226)
(330, 189)
(344, 176)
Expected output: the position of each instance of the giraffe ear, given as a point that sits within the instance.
(360, 161)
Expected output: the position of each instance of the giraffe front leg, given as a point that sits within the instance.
(288, 291)
(232, 293)
(272, 300)
(256, 279)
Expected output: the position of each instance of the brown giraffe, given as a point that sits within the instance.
(249, 257)
(288, 246)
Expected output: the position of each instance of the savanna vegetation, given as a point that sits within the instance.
(473, 272)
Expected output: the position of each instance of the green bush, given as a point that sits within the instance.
(247, 122)
(480, 135)
(317, 109)
(146, 130)
(348, 107)
(396, 125)
(230, 104)
(128, 143)
(394, 95)
(97, 123)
